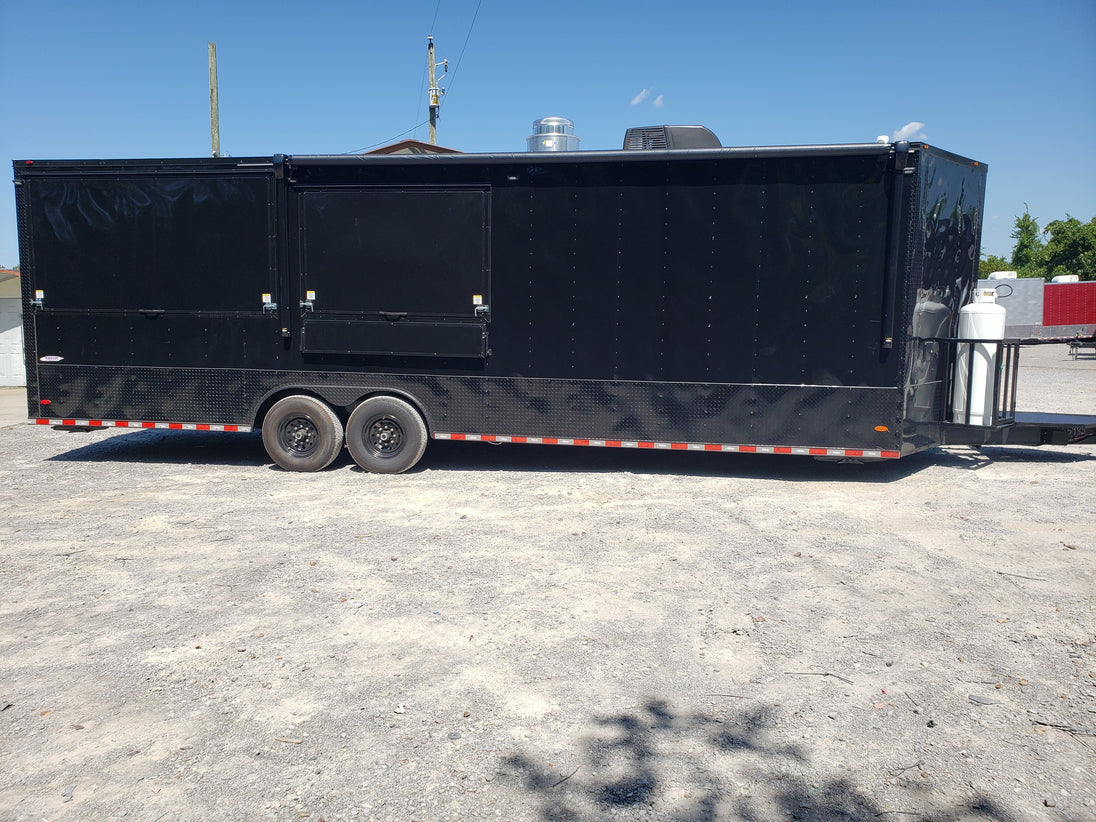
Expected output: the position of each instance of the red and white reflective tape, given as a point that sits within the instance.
(798, 450)
(172, 426)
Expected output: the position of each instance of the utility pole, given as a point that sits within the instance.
(214, 111)
(435, 92)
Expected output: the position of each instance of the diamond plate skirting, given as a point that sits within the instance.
(820, 416)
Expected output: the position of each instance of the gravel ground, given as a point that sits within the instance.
(539, 633)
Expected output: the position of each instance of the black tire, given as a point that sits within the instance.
(385, 435)
(302, 434)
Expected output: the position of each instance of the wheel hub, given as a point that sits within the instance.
(384, 436)
(300, 435)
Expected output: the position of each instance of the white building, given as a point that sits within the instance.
(12, 371)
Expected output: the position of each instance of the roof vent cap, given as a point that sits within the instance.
(552, 134)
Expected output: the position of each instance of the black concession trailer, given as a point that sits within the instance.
(783, 300)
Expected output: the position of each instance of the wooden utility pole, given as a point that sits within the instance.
(214, 111)
(435, 91)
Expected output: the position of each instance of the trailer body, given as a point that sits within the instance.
(798, 300)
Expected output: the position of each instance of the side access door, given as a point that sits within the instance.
(395, 271)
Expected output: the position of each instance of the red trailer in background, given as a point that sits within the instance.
(1069, 304)
(1072, 305)
(1041, 312)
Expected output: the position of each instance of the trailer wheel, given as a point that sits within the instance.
(302, 434)
(385, 435)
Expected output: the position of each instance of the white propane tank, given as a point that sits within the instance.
(982, 319)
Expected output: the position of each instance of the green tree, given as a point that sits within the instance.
(987, 265)
(1071, 248)
(1028, 251)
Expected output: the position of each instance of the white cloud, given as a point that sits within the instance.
(639, 98)
(657, 102)
(910, 131)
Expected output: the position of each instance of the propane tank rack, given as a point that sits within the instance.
(1006, 363)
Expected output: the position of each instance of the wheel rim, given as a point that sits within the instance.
(299, 436)
(384, 436)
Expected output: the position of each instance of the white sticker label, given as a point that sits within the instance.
(477, 299)
(50, 358)
(266, 299)
(310, 295)
(39, 294)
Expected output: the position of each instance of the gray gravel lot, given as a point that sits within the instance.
(539, 633)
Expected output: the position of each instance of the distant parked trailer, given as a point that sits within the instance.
(1039, 311)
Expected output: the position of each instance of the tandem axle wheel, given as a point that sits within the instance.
(385, 435)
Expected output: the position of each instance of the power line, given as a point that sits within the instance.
(418, 98)
(453, 76)
(389, 140)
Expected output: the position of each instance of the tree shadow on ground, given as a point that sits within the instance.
(653, 763)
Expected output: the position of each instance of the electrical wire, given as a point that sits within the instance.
(389, 140)
(453, 76)
(418, 105)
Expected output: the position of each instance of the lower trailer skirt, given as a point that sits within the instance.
(814, 420)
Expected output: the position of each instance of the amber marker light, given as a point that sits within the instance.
(881, 428)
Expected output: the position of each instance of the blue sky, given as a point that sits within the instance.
(1011, 84)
